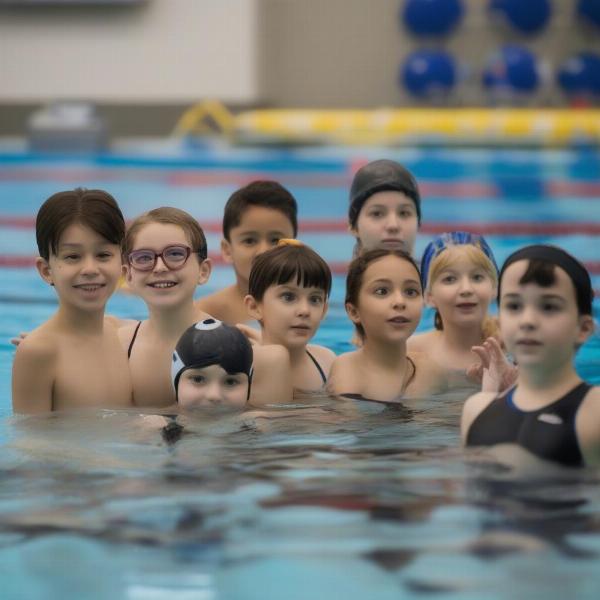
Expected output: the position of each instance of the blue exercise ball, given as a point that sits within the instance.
(526, 16)
(513, 68)
(428, 73)
(580, 74)
(432, 17)
(590, 11)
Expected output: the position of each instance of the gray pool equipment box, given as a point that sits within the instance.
(67, 127)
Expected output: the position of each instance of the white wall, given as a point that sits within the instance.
(159, 51)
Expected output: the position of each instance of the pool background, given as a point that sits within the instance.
(514, 197)
(323, 502)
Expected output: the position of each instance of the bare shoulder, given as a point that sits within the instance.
(125, 333)
(430, 377)
(270, 352)
(420, 342)
(117, 322)
(343, 373)
(39, 345)
(216, 304)
(323, 355)
(473, 406)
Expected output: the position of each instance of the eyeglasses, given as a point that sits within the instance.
(174, 258)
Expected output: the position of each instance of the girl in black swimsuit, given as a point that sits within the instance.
(545, 315)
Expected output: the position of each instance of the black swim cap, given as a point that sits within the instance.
(379, 176)
(211, 342)
(560, 258)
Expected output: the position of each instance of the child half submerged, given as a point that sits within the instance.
(256, 217)
(75, 360)
(545, 310)
(460, 279)
(384, 300)
(288, 295)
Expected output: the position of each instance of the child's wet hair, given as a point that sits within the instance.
(95, 209)
(285, 263)
(542, 262)
(168, 215)
(357, 269)
(268, 194)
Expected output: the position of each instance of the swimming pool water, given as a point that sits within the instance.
(323, 500)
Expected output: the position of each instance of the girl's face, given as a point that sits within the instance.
(289, 313)
(163, 286)
(462, 290)
(390, 300)
(541, 326)
(212, 387)
(85, 270)
(388, 220)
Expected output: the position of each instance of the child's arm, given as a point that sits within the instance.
(587, 426)
(272, 376)
(471, 409)
(33, 376)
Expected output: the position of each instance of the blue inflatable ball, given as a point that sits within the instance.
(590, 11)
(428, 73)
(580, 74)
(432, 17)
(512, 68)
(526, 16)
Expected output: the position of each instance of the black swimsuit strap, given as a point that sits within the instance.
(321, 372)
(133, 339)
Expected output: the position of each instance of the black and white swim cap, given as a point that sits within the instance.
(211, 342)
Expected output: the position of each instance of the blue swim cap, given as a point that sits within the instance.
(453, 238)
(211, 342)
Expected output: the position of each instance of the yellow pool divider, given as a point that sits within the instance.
(398, 126)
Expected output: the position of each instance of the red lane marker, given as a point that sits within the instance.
(340, 226)
(337, 267)
(580, 189)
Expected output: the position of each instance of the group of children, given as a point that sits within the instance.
(208, 353)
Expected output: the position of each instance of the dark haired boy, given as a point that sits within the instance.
(256, 217)
(75, 359)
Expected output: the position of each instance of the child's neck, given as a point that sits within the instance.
(461, 339)
(551, 381)
(80, 321)
(389, 356)
(241, 286)
(172, 321)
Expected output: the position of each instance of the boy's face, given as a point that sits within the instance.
(212, 387)
(259, 230)
(85, 270)
(541, 325)
(390, 300)
(163, 286)
(289, 314)
(388, 220)
(462, 291)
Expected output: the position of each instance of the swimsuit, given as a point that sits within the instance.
(321, 372)
(137, 328)
(547, 432)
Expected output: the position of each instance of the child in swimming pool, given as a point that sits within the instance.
(384, 300)
(256, 217)
(288, 293)
(75, 360)
(385, 207)
(459, 278)
(545, 310)
(166, 259)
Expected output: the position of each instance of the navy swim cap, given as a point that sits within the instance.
(446, 240)
(379, 176)
(211, 342)
(560, 258)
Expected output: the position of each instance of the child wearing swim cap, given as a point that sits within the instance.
(166, 259)
(75, 359)
(212, 366)
(288, 294)
(384, 300)
(545, 313)
(256, 217)
(385, 207)
(460, 279)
